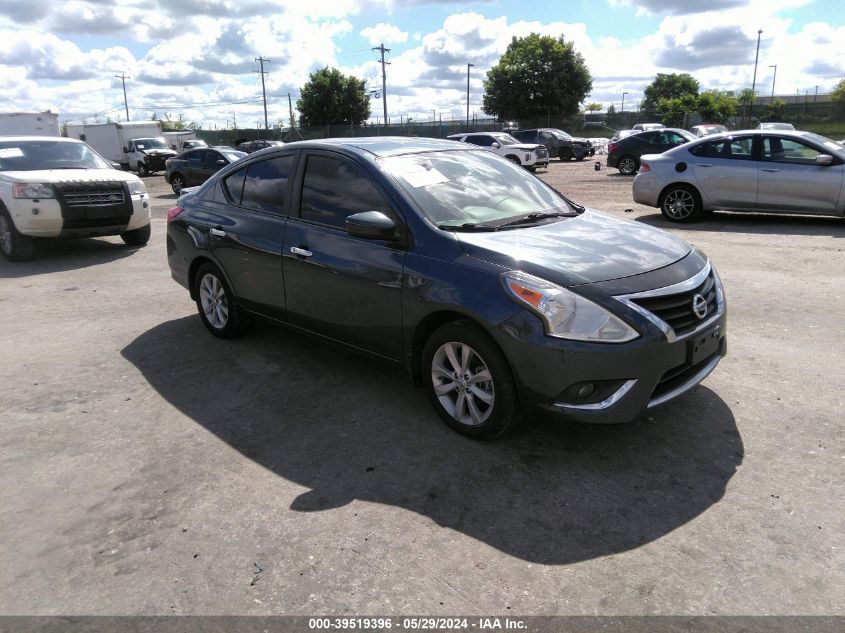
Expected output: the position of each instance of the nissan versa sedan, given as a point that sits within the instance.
(756, 170)
(494, 291)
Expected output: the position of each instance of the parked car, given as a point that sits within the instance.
(639, 127)
(195, 166)
(510, 126)
(771, 125)
(625, 153)
(529, 155)
(622, 134)
(706, 129)
(557, 142)
(495, 292)
(60, 187)
(253, 146)
(755, 170)
(194, 143)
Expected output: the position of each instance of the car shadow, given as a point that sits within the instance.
(351, 428)
(52, 256)
(759, 223)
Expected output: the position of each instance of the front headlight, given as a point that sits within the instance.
(34, 191)
(564, 313)
(137, 187)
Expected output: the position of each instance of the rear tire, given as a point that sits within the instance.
(218, 310)
(469, 381)
(628, 165)
(137, 237)
(680, 203)
(15, 246)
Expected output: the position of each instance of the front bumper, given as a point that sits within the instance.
(628, 378)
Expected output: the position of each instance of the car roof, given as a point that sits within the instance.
(22, 139)
(381, 146)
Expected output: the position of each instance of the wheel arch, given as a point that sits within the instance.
(194, 267)
(514, 158)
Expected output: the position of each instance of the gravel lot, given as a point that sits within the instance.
(147, 467)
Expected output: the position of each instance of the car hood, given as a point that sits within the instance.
(525, 146)
(57, 176)
(581, 140)
(158, 152)
(587, 248)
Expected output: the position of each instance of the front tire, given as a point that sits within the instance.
(137, 237)
(680, 203)
(15, 246)
(628, 165)
(469, 381)
(142, 170)
(177, 183)
(565, 154)
(218, 310)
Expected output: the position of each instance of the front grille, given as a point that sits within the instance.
(93, 195)
(676, 310)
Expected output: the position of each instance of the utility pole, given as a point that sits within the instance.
(754, 81)
(775, 66)
(290, 110)
(468, 67)
(261, 61)
(123, 79)
(383, 50)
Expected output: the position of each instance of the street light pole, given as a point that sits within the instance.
(775, 66)
(623, 103)
(754, 81)
(468, 67)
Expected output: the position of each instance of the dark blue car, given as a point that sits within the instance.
(493, 290)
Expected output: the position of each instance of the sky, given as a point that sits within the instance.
(196, 58)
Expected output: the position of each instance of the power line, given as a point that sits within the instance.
(261, 61)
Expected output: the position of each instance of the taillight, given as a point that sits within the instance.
(173, 213)
(612, 147)
(644, 167)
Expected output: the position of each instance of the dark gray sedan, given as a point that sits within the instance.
(194, 167)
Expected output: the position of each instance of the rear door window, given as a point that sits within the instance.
(728, 148)
(265, 185)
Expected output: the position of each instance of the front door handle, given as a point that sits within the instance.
(771, 169)
(217, 232)
(703, 164)
(302, 252)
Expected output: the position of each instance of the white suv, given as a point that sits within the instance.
(60, 187)
(529, 155)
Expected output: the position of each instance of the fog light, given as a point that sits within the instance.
(585, 391)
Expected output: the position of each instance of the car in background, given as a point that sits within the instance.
(195, 166)
(557, 142)
(194, 143)
(707, 129)
(622, 134)
(625, 153)
(490, 288)
(54, 187)
(529, 155)
(755, 170)
(249, 147)
(639, 127)
(773, 125)
(510, 126)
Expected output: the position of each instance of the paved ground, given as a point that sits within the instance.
(147, 467)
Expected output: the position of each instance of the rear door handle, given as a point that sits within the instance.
(302, 252)
(771, 169)
(703, 164)
(217, 232)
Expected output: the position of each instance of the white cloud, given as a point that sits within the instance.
(384, 33)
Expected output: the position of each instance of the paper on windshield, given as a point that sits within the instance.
(417, 175)
(11, 152)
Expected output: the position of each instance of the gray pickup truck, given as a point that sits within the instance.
(558, 142)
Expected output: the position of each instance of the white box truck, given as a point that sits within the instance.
(136, 145)
(29, 124)
(183, 140)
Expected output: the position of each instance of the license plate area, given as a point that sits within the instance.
(703, 345)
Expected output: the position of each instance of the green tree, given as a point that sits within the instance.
(674, 110)
(672, 86)
(330, 97)
(838, 97)
(745, 97)
(775, 110)
(537, 75)
(715, 106)
(593, 107)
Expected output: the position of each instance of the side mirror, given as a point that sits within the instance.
(125, 150)
(373, 225)
(824, 159)
(496, 145)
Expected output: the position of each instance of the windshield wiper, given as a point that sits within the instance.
(467, 226)
(533, 217)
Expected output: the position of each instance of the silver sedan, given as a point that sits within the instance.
(754, 170)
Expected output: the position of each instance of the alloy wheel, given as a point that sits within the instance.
(463, 383)
(679, 204)
(5, 235)
(215, 306)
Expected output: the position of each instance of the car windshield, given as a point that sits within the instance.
(465, 189)
(35, 155)
(832, 146)
(196, 144)
(561, 134)
(150, 143)
(506, 139)
(233, 155)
